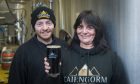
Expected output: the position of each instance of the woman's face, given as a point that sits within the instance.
(44, 28)
(86, 33)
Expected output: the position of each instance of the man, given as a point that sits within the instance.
(28, 63)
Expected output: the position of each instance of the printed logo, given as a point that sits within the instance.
(85, 75)
(52, 55)
(44, 14)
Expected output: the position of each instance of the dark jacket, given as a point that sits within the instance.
(92, 66)
(28, 63)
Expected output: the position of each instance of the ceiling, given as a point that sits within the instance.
(6, 10)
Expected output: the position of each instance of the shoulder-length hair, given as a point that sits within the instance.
(92, 19)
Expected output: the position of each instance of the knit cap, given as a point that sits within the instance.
(42, 13)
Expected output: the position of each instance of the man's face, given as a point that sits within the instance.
(44, 29)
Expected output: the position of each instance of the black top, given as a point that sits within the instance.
(93, 66)
(28, 63)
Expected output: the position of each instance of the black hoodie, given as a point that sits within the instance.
(92, 66)
(28, 63)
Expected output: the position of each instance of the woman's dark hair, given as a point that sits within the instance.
(92, 19)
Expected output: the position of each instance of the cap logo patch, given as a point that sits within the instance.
(43, 14)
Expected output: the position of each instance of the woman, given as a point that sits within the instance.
(90, 60)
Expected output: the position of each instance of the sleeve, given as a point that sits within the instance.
(18, 73)
(119, 74)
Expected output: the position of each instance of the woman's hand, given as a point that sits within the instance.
(47, 67)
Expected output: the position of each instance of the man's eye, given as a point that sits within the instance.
(39, 23)
(49, 23)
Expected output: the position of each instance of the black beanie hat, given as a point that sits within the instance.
(42, 13)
